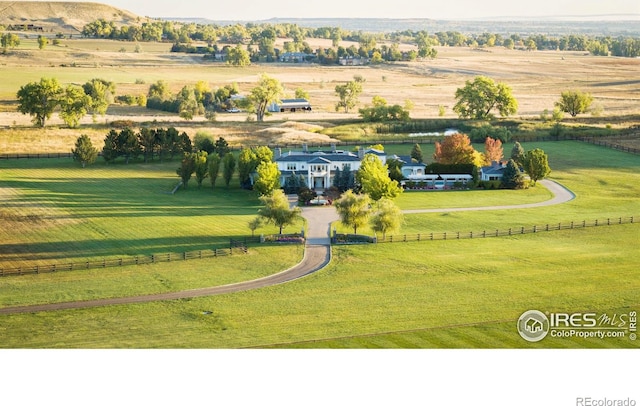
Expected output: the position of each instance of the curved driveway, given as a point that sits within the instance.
(316, 256)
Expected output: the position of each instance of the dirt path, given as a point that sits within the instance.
(317, 255)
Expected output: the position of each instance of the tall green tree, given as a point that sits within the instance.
(276, 210)
(39, 99)
(374, 180)
(416, 153)
(186, 169)
(128, 144)
(188, 105)
(574, 102)
(387, 218)
(42, 41)
(353, 209)
(517, 154)
(238, 56)
(348, 95)
(110, 150)
(102, 93)
(228, 168)
(213, 160)
(9, 40)
(512, 177)
(84, 152)
(201, 166)
(267, 91)
(477, 99)
(74, 104)
(147, 141)
(267, 178)
(536, 164)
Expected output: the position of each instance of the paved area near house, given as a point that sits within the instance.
(317, 255)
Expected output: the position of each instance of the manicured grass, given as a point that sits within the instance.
(369, 292)
(55, 211)
(147, 279)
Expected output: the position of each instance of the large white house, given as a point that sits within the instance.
(318, 168)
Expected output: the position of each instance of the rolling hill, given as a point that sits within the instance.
(61, 16)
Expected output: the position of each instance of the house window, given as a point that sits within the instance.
(291, 166)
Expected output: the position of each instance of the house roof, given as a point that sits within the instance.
(321, 157)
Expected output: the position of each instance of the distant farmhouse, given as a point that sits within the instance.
(296, 57)
(291, 105)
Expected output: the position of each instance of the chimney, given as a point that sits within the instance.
(278, 152)
(305, 148)
(361, 153)
(333, 148)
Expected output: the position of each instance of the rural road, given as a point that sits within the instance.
(317, 255)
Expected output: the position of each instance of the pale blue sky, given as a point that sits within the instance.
(442, 9)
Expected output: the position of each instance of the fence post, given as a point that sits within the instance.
(445, 236)
(418, 237)
(547, 229)
(497, 232)
(596, 222)
(631, 219)
(620, 221)
(484, 233)
(431, 236)
(509, 230)
(584, 223)
(522, 230)
(559, 226)
(572, 225)
(458, 236)
(608, 222)
(471, 234)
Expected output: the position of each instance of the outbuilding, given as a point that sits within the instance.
(291, 105)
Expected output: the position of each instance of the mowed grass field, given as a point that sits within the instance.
(452, 294)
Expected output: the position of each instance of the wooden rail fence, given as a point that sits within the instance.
(459, 235)
(236, 246)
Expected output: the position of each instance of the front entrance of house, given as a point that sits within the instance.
(318, 183)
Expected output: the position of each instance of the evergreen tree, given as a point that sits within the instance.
(84, 152)
(416, 153)
(512, 177)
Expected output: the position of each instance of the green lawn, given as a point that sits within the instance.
(54, 210)
(453, 294)
(390, 295)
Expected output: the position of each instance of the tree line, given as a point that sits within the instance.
(261, 38)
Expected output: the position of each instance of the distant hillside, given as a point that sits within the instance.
(60, 16)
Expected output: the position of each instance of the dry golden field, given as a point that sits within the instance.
(537, 79)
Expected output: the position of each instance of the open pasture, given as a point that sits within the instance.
(537, 78)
